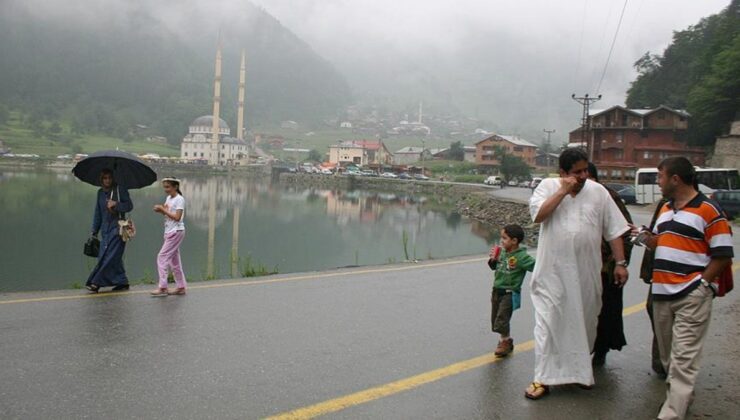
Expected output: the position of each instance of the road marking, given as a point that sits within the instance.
(371, 394)
(341, 403)
(317, 276)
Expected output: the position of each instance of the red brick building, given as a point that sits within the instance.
(485, 149)
(624, 140)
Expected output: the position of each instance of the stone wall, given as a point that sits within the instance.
(727, 149)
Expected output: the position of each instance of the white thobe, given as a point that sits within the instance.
(566, 283)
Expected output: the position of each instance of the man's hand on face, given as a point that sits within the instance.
(568, 184)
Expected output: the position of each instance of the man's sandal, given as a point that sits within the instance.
(536, 390)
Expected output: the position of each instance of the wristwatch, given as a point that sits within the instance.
(713, 286)
(623, 263)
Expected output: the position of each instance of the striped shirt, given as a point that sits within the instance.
(687, 241)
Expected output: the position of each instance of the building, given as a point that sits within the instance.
(208, 136)
(513, 145)
(196, 145)
(360, 152)
(547, 161)
(726, 149)
(410, 155)
(622, 140)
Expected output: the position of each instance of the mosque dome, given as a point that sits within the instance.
(204, 125)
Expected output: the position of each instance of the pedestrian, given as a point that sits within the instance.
(646, 274)
(168, 258)
(575, 214)
(610, 329)
(693, 246)
(112, 203)
(511, 263)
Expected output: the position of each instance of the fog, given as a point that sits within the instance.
(513, 63)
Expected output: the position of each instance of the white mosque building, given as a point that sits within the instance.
(209, 137)
(198, 145)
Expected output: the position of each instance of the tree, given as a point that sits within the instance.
(315, 156)
(511, 166)
(55, 128)
(456, 152)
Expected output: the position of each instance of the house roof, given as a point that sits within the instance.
(640, 112)
(409, 150)
(511, 139)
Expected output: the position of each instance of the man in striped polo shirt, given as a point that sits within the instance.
(693, 245)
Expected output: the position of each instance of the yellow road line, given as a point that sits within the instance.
(317, 276)
(341, 403)
(371, 394)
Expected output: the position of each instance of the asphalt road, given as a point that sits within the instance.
(256, 348)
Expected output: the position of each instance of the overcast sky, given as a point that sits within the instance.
(567, 41)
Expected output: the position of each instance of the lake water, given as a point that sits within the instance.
(45, 217)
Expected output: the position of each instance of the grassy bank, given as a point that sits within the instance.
(22, 140)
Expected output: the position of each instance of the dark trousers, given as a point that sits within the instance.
(501, 310)
(610, 330)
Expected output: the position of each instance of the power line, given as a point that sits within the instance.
(611, 49)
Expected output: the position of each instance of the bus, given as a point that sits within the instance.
(647, 190)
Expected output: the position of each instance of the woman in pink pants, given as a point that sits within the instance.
(173, 210)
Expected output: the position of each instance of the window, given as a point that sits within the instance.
(619, 136)
(629, 174)
(518, 149)
(647, 178)
(624, 120)
(201, 154)
(618, 154)
(186, 154)
(616, 173)
(647, 155)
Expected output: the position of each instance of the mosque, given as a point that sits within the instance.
(209, 137)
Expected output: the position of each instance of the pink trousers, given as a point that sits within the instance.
(169, 258)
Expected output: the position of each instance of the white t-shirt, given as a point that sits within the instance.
(173, 204)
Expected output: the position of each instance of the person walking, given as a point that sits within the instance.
(693, 246)
(112, 203)
(610, 329)
(575, 214)
(168, 258)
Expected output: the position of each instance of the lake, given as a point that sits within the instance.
(232, 223)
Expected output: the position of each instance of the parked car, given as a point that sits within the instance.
(404, 175)
(369, 173)
(512, 183)
(493, 180)
(524, 184)
(64, 157)
(535, 182)
(627, 194)
(421, 177)
(326, 171)
(729, 200)
(388, 175)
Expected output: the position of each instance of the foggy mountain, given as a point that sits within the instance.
(109, 64)
(512, 65)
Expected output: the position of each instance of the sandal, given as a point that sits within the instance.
(158, 293)
(178, 291)
(93, 288)
(536, 390)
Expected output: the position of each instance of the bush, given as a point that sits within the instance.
(473, 179)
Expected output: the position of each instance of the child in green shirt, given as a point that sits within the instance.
(511, 265)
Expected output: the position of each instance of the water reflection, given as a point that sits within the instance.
(229, 219)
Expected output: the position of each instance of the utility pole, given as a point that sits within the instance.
(547, 148)
(586, 101)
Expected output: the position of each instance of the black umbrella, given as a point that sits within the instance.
(128, 170)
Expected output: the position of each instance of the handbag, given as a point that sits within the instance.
(126, 227)
(92, 247)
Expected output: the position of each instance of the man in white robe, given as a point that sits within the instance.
(575, 213)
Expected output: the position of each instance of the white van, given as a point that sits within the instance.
(493, 180)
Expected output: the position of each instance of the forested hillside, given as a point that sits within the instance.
(151, 63)
(699, 72)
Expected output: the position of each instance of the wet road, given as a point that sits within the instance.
(251, 349)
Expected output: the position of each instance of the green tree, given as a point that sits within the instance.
(315, 156)
(511, 166)
(55, 128)
(456, 151)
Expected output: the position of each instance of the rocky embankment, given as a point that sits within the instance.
(473, 201)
